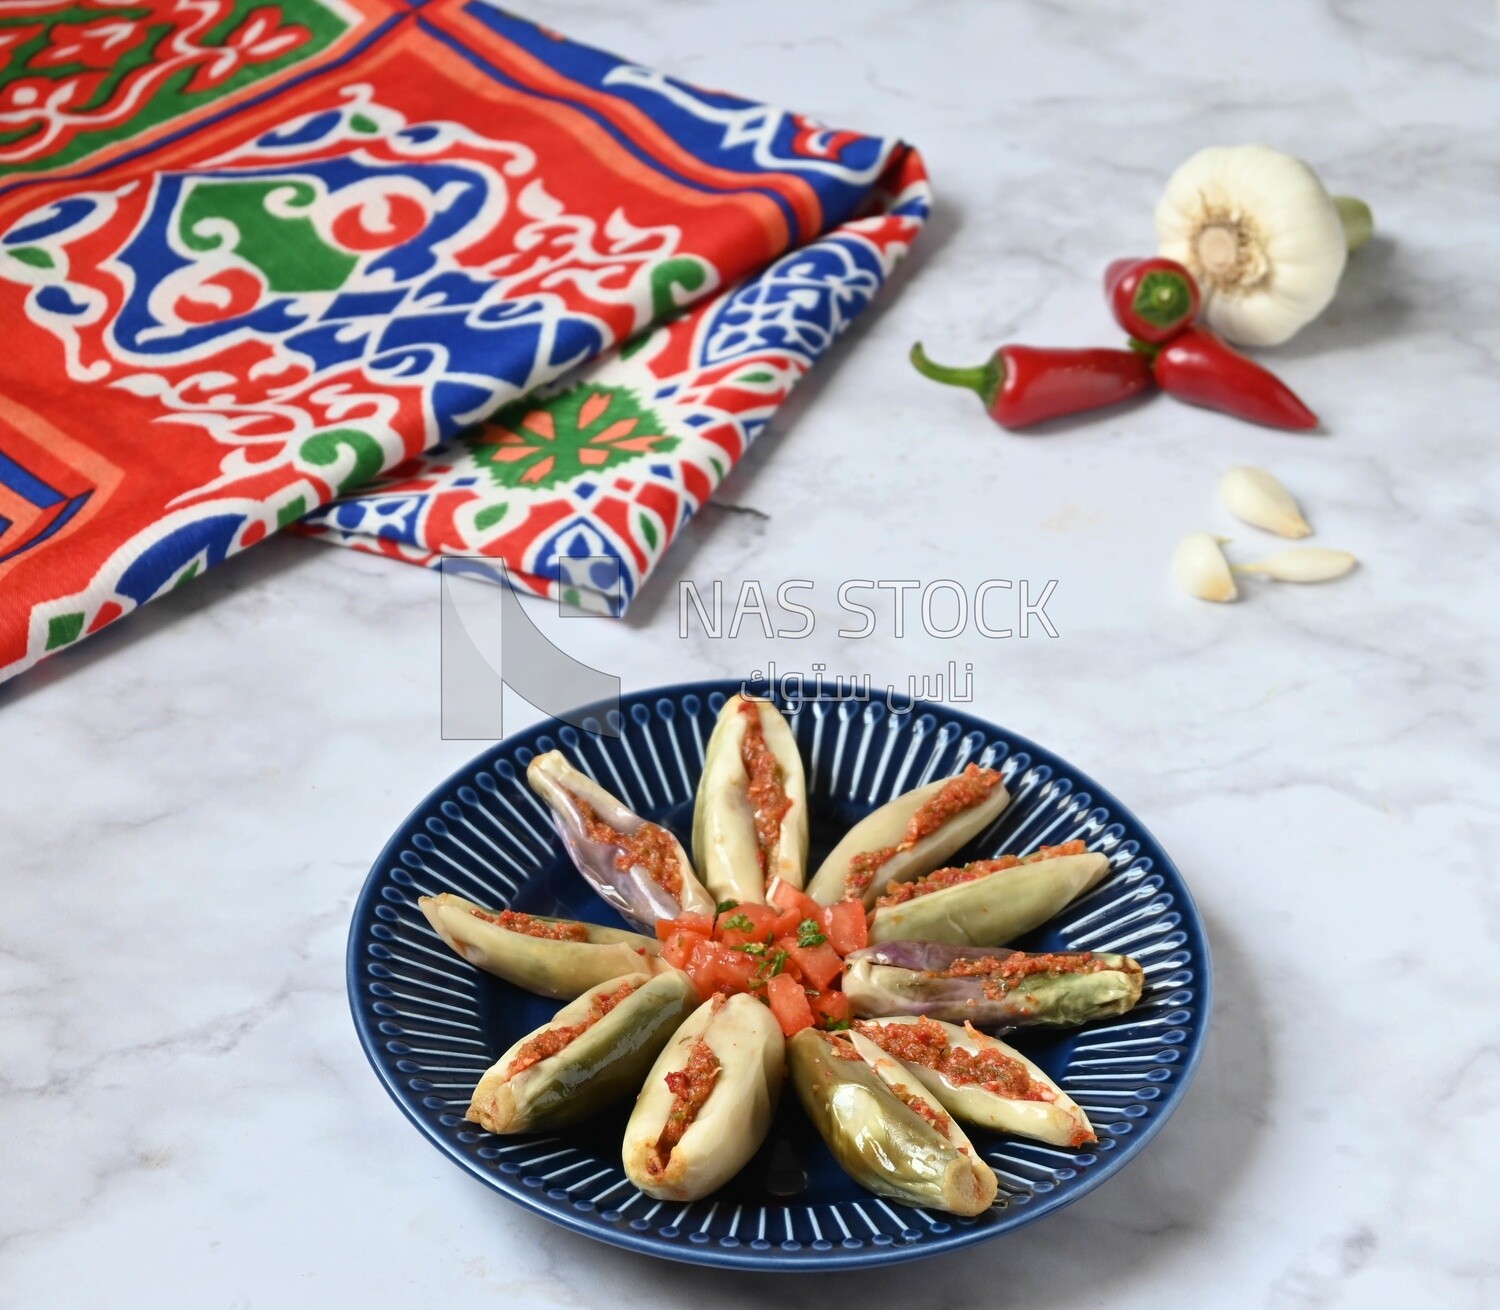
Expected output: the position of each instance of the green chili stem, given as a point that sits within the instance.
(1358, 221)
(984, 379)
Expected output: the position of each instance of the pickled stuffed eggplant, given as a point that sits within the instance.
(991, 987)
(981, 1080)
(707, 1103)
(910, 836)
(988, 902)
(594, 1052)
(750, 812)
(883, 1131)
(560, 958)
(638, 867)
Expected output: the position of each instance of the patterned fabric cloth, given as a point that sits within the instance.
(416, 278)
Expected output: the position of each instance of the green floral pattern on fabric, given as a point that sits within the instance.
(586, 429)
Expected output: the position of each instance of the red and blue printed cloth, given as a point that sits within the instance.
(422, 279)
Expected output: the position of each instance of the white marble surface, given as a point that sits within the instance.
(191, 800)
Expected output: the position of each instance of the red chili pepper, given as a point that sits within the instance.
(1021, 385)
(1152, 299)
(1197, 367)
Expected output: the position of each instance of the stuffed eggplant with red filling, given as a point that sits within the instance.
(990, 987)
(551, 957)
(707, 1103)
(909, 836)
(883, 1127)
(750, 814)
(593, 1052)
(638, 867)
(988, 902)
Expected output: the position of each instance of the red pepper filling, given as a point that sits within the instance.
(766, 792)
(863, 868)
(650, 847)
(690, 1087)
(843, 1048)
(550, 1041)
(1003, 974)
(921, 1106)
(562, 930)
(941, 879)
(957, 795)
(926, 1044)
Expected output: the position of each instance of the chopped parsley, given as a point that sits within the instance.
(772, 966)
(810, 934)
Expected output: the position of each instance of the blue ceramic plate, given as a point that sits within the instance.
(431, 1023)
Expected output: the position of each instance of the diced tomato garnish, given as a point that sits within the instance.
(761, 918)
(678, 948)
(846, 926)
(714, 967)
(787, 924)
(763, 947)
(786, 897)
(735, 973)
(819, 965)
(700, 966)
(831, 1007)
(776, 892)
(698, 923)
(789, 1004)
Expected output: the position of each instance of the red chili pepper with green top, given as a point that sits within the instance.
(1197, 367)
(1021, 385)
(1152, 299)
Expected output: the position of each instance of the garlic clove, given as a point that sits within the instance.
(1261, 235)
(1302, 564)
(1256, 497)
(1200, 569)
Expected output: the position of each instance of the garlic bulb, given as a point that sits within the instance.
(1259, 499)
(1264, 239)
(1302, 564)
(1200, 569)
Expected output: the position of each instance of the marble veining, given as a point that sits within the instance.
(192, 798)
